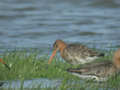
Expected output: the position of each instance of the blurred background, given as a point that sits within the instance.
(37, 24)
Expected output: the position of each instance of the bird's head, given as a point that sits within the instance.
(59, 45)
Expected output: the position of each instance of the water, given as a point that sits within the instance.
(53, 84)
(38, 23)
(34, 83)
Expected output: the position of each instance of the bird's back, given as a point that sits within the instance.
(79, 54)
(101, 69)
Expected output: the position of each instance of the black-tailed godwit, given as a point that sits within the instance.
(74, 53)
(99, 71)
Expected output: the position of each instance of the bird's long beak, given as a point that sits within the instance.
(4, 64)
(52, 56)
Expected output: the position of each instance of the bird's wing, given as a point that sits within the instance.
(97, 69)
(82, 50)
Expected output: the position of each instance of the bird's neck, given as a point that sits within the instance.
(62, 47)
(116, 59)
(116, 62)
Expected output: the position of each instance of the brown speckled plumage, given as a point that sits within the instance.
(78, 52)
(75, 53)
(99, 70)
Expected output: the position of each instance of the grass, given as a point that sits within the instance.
(28, 66)
(25, 66)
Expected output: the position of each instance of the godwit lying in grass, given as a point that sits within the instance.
(99, 71)
(4, 63)
(74, 53)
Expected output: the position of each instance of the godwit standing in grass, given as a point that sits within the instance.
(74, 53)
(4, 63)
(99, 71)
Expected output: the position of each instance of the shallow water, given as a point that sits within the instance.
(34, 83)
(38, 23)
(53, 84)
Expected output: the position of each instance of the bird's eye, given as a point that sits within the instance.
(55, 45)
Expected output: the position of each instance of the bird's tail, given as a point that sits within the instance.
(101, 55)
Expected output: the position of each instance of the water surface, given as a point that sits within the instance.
(34, 83)
(38, 23)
